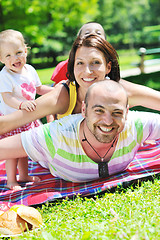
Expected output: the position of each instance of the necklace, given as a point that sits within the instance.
(101, 158)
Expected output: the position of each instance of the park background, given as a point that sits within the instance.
(50, 27)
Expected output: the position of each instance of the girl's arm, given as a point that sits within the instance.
(43, 89)
(56, 101)
(140, 95)
(13, 102)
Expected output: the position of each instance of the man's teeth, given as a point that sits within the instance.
(105, 129)
(88, 79)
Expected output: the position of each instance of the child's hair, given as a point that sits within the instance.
(10, 35)
(80, 30)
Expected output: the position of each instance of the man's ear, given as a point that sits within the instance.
(127, 112)
(83, 109)
(1, 60)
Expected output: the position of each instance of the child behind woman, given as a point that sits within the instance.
(19, 84)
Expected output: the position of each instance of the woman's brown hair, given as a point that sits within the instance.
(102, 45)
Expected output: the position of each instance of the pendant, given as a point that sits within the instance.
(103, 169)
(102, 159)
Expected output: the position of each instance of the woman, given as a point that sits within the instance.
(91, 59)
(88, 28)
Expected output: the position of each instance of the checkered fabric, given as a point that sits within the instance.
(145, 164)
(21, 129)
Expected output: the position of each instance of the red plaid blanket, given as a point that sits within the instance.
(145, 164)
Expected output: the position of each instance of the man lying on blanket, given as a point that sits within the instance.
(101, 141)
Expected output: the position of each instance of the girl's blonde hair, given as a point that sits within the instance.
(10, 35)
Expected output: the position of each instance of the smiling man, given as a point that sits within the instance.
(101, 141)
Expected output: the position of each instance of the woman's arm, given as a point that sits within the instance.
(56, 101)
(140, 95)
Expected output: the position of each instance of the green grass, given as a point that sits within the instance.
(151, 80)
(131, 213)
(128, 58)
(45, 75)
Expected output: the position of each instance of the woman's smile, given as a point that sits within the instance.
(88, 79)
(90, 65)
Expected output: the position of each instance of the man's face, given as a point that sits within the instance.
(106, 114)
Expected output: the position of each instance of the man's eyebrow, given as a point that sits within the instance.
(98, 105)
(101, 106)
(118, 109)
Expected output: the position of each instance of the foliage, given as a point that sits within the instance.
(47, 25)
(50, 27)
(124, 21)
(131, 213)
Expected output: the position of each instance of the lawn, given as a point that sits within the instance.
(131, 213)
(151, 80)
(128, 59)
(45, 75)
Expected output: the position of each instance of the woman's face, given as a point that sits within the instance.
(90, 66)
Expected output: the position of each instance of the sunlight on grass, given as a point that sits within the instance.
(128, 59)
(131, 213)
(45, 75)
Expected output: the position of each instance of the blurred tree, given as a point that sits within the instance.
(50, 26)
(124, 20)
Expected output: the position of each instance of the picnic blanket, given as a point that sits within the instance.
(145, 164)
